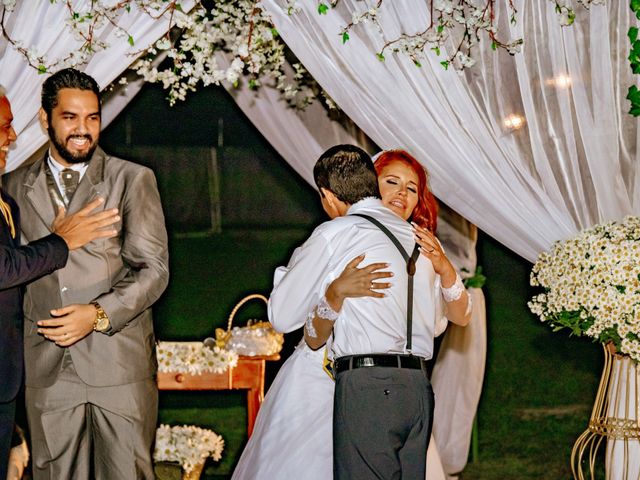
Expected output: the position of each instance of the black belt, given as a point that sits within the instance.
(388, 360)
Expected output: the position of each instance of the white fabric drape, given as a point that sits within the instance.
(41, 25)
(573, 164)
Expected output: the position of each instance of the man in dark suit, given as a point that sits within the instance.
(91, 393)
(20, 264)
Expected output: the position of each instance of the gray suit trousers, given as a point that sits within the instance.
(382, 421)
(81, 432)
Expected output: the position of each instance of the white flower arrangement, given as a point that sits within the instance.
(194, 358)
(592, 285)
(187, 445)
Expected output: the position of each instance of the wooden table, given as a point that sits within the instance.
(247, 375)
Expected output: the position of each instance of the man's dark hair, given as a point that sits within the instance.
(348, 172)
(66, 78)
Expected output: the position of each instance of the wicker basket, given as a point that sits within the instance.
(257, 338)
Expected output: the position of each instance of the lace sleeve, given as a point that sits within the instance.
(322, 310)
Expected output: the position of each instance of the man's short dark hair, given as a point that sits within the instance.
(66, 78)
(348, 172)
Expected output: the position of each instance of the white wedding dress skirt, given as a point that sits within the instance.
(292, 437)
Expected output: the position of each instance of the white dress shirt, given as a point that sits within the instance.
(366, 324)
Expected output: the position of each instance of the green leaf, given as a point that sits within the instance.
(417, 63)
(445, 64)
(323, 8)
(633, 95)
(345, 37)
(436, 50)
(494, 45)
(632, 34)
(380, 57)
(43, 69)
(253, 84)
(130, 40)
(274, 32)
(128, 8)
(621, 288)
(571, 17)
(635, 7)
(477, 280)
(440, 28)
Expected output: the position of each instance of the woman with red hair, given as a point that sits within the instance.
(425, 212)
(293, 436)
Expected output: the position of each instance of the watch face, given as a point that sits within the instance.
(102, 324)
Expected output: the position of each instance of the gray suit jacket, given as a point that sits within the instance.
(125, 274)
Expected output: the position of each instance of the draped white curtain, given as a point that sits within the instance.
(41, 25)
(573, 164)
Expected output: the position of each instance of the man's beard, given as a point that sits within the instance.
(66, 154)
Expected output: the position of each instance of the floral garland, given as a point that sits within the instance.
(592, 285)
(187, 445)
(460, 21)
(242, 31)
(194, 358)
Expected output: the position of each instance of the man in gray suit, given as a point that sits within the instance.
(89, 344)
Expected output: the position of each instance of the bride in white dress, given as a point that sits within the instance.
(292, 437)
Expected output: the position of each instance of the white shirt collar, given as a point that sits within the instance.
(366, 202)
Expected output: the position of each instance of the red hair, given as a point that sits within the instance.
(425, 212)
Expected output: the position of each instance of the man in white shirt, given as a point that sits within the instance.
(383, 401)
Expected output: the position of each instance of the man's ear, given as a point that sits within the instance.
(44, 119)
(337, 207)
(328, 195)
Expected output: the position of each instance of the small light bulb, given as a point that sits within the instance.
(560, 81)
(513, 122)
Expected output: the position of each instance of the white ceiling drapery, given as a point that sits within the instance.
(573, 164)
(42, 26)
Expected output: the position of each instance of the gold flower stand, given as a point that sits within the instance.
(174, 471)
(193, 474)
(615, 420)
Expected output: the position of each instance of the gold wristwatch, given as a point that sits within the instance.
(101, 322)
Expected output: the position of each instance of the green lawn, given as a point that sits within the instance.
(539, 385)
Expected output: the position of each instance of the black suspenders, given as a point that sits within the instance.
(411, 270)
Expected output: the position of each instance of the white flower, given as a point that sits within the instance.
(193, 357)
(9, 5)
(243, 50)
(163, 44)
(187, 445)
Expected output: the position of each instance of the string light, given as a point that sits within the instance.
(560, 81)
(513, 122)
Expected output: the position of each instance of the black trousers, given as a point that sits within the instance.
(381, 424)
(7, 417)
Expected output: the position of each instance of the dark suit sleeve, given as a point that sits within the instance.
(21, 265)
